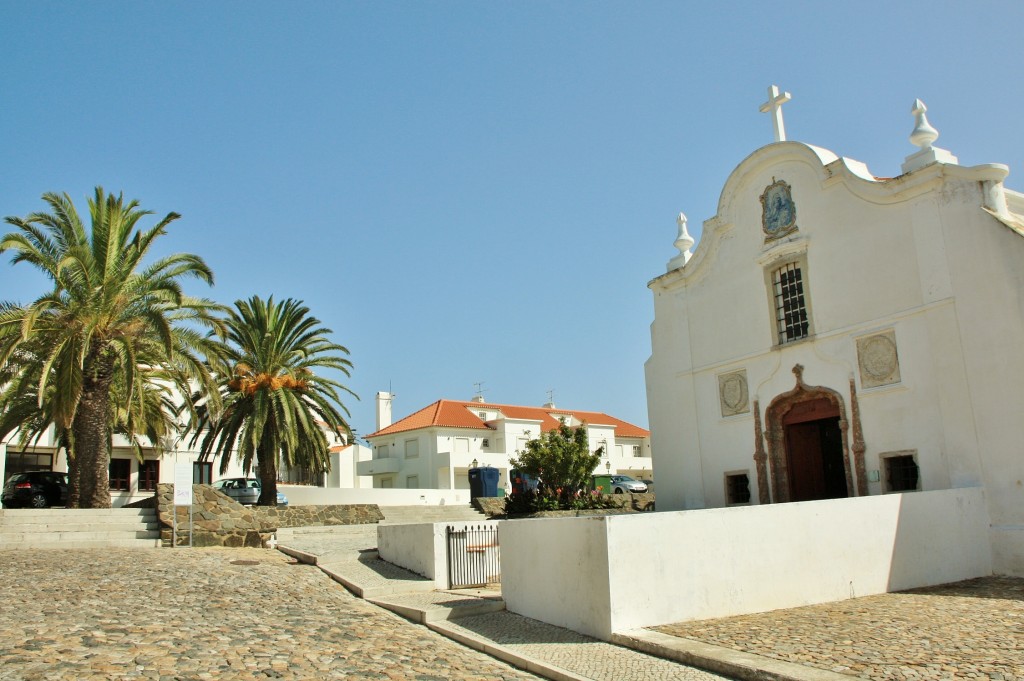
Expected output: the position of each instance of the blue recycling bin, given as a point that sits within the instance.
(483, 482)
(521, 482)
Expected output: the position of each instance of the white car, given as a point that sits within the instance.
(245, 491)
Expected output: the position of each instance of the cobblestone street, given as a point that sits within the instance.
(189, 614)
(972, 629)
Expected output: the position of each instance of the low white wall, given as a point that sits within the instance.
(618, 573)
(302, 495)
(421, 548)
(556, 570)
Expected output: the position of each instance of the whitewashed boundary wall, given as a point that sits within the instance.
(300, 495)
(614, 573)
(421, 548)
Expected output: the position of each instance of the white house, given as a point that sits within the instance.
(435, 447)
(838, 334)
(133, 480)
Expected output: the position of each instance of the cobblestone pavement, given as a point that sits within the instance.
(588, 657)
(226, 614)
(972, 629)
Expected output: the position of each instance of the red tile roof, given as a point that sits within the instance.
(457, 414)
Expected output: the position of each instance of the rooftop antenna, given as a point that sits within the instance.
(479, 388)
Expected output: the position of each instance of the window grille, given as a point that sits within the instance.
(902, 473)
(790, 305)
(737, 488)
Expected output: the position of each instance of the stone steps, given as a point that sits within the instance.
(406, 515)
(79, 528)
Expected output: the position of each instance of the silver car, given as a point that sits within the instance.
(624, 483)
(246, 490)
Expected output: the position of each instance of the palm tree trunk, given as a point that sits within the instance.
(267, 465)
(74, 478)
(91, 432)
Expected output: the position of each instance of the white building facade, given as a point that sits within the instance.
(837, 334)
(435, 447)
(132, 479)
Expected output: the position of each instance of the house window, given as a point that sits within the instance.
(790, 303)
(149, 475)
(382, 452)
(202, 473)
(22, 462)
(901, 473)
(387, 483)
(636, 451)
(120, 474)
(412, 482)
(412, 449)
(737, 489)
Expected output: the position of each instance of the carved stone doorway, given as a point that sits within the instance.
(814, 451)
(808, 453)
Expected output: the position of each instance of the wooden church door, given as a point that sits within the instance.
(814, 452)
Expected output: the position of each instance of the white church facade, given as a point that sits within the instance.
(837, 334)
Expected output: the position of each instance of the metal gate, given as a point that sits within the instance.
(474, 558)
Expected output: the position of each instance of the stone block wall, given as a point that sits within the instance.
(218, 520)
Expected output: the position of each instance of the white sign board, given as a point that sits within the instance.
(183, 484)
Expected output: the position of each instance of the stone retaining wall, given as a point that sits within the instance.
(494, 507)
(219, 520)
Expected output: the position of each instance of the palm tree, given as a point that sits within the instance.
(152, 414)
(273, 402)
(108, 323)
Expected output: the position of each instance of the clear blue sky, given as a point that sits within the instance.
(473, 191)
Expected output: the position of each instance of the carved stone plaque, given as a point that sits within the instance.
(878, 360)
(732, 393)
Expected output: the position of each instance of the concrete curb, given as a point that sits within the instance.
(725, 661)
(422, 615)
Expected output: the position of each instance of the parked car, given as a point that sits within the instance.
(35, 489)
(245, 490)
(618, 484)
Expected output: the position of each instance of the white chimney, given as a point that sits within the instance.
(383, 409)
(479, 399)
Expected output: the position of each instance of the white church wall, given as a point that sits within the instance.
(988, 278)
(616, 573)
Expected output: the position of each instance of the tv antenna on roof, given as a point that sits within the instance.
(479, 388)
(551, 396)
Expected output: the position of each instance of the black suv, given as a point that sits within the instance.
(35, 489)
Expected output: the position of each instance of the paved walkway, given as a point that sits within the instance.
(477, 618)
(972, 629)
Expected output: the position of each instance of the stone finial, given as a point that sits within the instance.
(923, 136)
(684, 242)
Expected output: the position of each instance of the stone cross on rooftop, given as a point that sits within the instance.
(774, 105)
